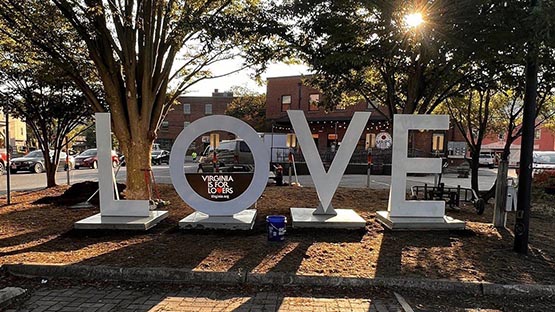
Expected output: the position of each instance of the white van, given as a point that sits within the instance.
(487, 159)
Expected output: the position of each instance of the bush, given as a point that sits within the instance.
(544, 178)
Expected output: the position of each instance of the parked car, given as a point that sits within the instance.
(3, 160)
(231, 155)
(34, 162)
(543, 160)
(89, 159)
(160, 156)
(487, 160)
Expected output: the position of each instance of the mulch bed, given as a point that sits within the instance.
(38, 230)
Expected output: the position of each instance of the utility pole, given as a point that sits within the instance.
(8, 153)
(522, 222)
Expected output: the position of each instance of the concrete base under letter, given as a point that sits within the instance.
(243, 220)
(345, 219)
(419, 223)
(98, 222)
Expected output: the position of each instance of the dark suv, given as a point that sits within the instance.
(231, 156)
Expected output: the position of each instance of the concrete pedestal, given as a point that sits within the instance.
(243, 220)
(344, 219)
(419, 223)
(98, 222)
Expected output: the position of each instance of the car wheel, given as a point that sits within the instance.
(94, 165)
(38, 168)
(13, 171)
(76, 167)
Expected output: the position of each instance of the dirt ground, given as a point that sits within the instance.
(38, 228)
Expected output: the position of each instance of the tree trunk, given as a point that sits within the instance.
(499, 214)
(474, 166)
(50, 174)
(50, 169)
(138, 165)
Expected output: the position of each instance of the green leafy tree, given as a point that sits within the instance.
(250, 107)
(134, 47)
(368, 48)
(47, 100)
(471, 115)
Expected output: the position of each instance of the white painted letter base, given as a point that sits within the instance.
(326, 183)
(115, 214)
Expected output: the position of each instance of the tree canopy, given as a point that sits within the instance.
(145, 53)
(250, 107)
(43, 96)
(369, 49)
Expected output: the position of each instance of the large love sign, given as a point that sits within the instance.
(228, 210)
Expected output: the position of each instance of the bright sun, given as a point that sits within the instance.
(414, 19)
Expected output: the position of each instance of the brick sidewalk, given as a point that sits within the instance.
(89, 299)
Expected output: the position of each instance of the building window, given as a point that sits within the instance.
(285, 102)
(208, 109)
(165, 125)
(437, 142)
(187, 109)
(186, 123)
(314, 99)
(537, 134)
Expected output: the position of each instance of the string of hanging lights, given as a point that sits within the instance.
(321, 125)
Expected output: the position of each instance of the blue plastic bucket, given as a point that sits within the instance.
(276, 228)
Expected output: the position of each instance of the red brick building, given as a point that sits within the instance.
(189, 109)
(328, 127)
(544, 140)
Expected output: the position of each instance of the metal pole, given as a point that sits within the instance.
(522, 222)
(67, 162)
(369, 169)
(290, 165)
(8, 178)
(272, 145)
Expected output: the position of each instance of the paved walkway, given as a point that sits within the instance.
(89, 299)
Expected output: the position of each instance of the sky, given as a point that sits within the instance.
(243, 78)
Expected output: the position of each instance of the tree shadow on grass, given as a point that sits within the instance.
(393, 244)
(480, 253)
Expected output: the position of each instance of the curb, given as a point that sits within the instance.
(170, 275)
(9, 294)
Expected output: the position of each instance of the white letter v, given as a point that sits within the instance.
(326, 183)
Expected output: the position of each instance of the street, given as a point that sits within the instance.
(26, 181)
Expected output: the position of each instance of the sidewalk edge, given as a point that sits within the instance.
(172, 275)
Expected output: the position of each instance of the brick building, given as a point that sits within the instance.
(188, 109)
(544, 140)
(329, 127)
